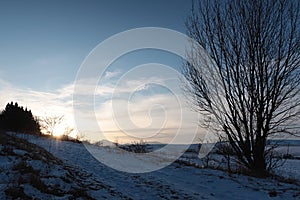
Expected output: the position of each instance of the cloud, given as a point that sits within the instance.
(136, 108)
(112, 74)
(156, 118)
(58, 102)
(127, 86)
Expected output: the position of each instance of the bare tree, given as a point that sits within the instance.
(49, 123)
(246, 84)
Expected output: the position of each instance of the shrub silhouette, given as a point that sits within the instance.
(17, 119)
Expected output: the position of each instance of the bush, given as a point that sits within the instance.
(288, 156)
(136, 147)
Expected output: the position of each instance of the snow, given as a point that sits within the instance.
(290, 169)
(29, 172)
(176, 181)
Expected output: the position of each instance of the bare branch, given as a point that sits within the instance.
(247, 81)
(49, 123)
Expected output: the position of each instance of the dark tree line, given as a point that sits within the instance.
(16, 118)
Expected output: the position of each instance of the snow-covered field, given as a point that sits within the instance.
(176, 181)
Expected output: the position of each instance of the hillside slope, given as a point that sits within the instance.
(177, 181)
(28, 171)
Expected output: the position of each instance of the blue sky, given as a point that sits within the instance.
(43, 44)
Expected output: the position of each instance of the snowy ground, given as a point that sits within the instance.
(177, 181)
(27, 171)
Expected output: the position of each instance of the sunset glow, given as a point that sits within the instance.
(43, 78)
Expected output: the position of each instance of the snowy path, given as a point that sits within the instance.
(173, 182)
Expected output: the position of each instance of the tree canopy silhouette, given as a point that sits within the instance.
(17, 119)
(248, 89)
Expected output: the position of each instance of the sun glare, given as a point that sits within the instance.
(58, 131)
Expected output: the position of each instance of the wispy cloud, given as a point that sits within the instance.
(112, 74)
(158, 118)
(128, 111)
(58, 102)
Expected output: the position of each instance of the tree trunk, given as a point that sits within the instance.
(259, 165)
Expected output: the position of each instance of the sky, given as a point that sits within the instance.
(44, 43)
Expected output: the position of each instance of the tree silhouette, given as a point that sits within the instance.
(248, 89)
(17, 119)
(48, 124)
